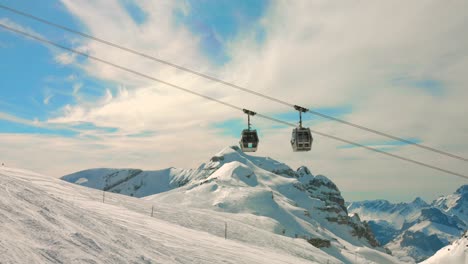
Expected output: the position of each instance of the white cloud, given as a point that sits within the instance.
(7, 22)
(76, 88)
(71, 77)
(35, 123)
(47, 99)
(65, 58)
(12, 118)
(317, 54)
(38, 152)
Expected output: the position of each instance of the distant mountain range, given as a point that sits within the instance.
(416, 229)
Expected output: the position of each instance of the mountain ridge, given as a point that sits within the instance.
(417, 229)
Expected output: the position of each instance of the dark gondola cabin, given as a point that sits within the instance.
(249, 140)
(301, 139)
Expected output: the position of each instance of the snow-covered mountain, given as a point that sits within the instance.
(132, 182)
(416, 229)
(260, 192)
(455, 204)
(395, 214)
(302, 205)
(455, 253)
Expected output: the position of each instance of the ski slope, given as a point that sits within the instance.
(46, 220)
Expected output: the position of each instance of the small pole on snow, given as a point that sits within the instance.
(103, 196)
(225, 230)
(152, 209)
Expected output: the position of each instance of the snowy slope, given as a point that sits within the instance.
(45, 220)
(456, 253)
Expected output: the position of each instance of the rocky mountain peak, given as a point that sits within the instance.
(463, 190)
(303, 171)
(321, 180)
(419, 202)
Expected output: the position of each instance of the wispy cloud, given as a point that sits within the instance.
(14, 25)
(76, 88)
(12, 118)
(72, 77)
(47, 99)
(33, 123)
(429, 85)
(70, 129)
(65, 58)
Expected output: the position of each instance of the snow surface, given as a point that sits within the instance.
(47, 220)
(456, 253)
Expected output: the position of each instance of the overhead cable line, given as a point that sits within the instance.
(51, 43)
(369, 148)
(409, 142)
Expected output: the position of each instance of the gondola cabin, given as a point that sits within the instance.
(249, 140)
(301, 139)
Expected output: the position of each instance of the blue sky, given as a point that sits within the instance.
(217, 22)
(36, 87)
(427, 85)
(137, 14)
